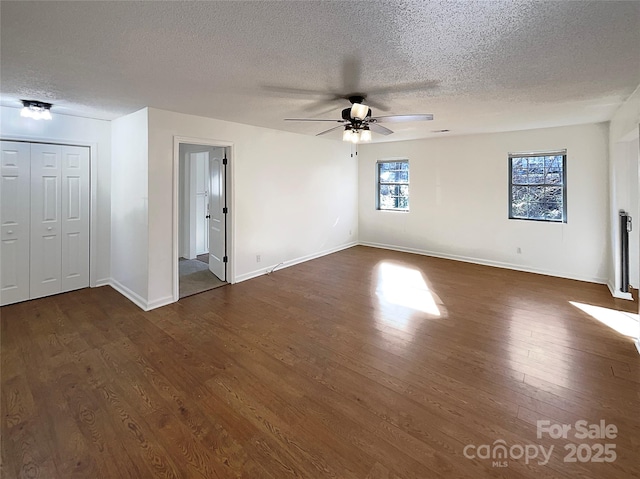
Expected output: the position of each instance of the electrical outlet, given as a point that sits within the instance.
(519, 251)
(258, 258)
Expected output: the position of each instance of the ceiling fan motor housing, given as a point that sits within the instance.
(346, 115)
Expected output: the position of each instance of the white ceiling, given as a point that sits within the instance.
(478, 66)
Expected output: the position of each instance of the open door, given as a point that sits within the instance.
(217, 215)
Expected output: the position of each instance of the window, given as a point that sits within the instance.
(538, 186)
(393, 185)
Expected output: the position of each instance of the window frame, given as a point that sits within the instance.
(379, 184)
(563, 153)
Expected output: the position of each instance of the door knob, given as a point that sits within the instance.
(10, 232)
(49, 228)
(208, 216)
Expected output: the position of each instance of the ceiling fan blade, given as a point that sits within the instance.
(326, 110)
(407, 87)
(330, 129)
(324, 104)
(377, 105)
(401, 118)
(351, 68)
(312, 119)
(380, 129)
(294, 91)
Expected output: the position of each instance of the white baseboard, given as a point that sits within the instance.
(159, 302)
(253, 274)
(638, 345)
(102, 282)
(149, 305)
(127, 293)
(139, 300)
(619, 294)
(292, 262)
(485, 262)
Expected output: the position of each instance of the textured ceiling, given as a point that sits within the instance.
(478, 66)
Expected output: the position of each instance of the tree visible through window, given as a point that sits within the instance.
(393, 185)
(537, 186)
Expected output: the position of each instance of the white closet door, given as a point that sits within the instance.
(46, 224)
(14, 220)
(75, 217)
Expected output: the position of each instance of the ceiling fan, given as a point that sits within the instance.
(358, 122)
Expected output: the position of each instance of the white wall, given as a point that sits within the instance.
(623, 180)
(292, 196)
(624, 124)
(459, 202)
(624, 131)
(83, 131)
(634, 210)
(129, 206)
(624, 196)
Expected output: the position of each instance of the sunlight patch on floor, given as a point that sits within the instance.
(405, 286)
(620, 321)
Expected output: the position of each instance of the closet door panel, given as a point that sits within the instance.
(15, 201)
(46, 224)
(75, 217)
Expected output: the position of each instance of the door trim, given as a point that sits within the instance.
(230, 192)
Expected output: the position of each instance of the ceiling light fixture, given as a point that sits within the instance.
(366, 134)
(37, 110)
(356, 135)
(346, 134)
(358, 117)
(359, 111)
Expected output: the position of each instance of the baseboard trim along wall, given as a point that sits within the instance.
(619, 294)
(127, 293)
(497, 264)
(149, 305)
(142, 303)
(292, 262)
(137, 299)
(159, 302)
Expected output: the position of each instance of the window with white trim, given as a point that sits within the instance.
(538, 186)
(393, 185)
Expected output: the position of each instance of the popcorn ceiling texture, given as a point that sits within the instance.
(477, 66)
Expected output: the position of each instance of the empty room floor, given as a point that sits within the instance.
(366, 363)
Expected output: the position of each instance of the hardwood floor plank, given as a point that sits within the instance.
(17, 402)
(104, 443)
(283, 422)
(137, 434)
(193, 459)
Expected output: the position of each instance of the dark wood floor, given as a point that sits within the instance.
(363, 364)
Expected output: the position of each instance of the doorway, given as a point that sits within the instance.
(202, 217)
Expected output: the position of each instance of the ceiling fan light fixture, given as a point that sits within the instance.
(347, 133)
(358, 121)
(359, 111)
(365, 135)
(36, 110)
